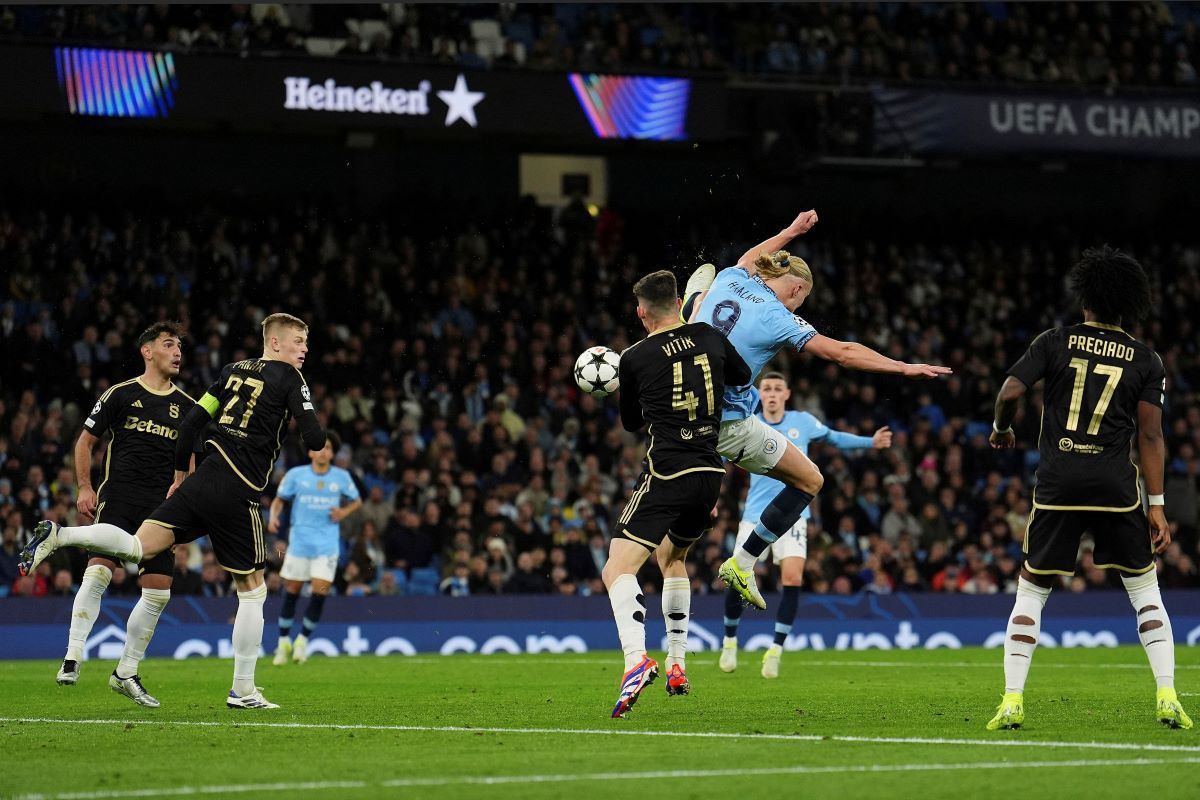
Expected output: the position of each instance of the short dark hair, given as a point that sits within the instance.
(657, 291)
(158, 329)
(335, 441)
(773, 376)
(1111, 284)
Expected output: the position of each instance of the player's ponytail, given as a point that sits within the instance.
(773, 265)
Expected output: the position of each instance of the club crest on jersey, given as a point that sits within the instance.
(1066, 445)
(793, 433)
(333, 487)
(685, 434)
(174, 410)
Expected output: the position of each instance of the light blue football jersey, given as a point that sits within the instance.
(758, 325)
(312, 533)
(800, 428)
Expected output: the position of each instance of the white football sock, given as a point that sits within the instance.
(103, 537)
(676, 608)
(1020, 639)
(629, 610)
(247, 639)
(1154, 626)
(745, 560)
(86, 608)
(140, 628)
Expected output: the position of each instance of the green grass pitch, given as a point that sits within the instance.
(846, 725)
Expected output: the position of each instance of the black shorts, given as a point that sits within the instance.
(129, 519)
(679, 509)
(216, 502)
(1122, 541)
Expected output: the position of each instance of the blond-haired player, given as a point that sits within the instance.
(250, 405)
(753, 303)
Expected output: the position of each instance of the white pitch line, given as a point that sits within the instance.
(176, 791)
(491, 780)
(494, 780)
(783, 737)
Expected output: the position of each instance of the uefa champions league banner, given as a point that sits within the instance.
(921, 122)
(201, 627)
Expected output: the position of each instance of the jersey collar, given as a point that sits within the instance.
(162, 393)
(1105, 326)
(665, 329)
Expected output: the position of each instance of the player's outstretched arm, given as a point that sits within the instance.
(1152, 453)
(1007, 400)
(801, 225)
(846, 440)
(853, 355)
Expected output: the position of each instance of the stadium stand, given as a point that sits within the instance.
(443, 360)
(1142, 44)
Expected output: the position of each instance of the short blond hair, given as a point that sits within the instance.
(281, 320)
(781, 262)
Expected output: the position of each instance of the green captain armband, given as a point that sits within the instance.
(209, 404)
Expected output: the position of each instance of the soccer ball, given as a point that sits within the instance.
(596, 371)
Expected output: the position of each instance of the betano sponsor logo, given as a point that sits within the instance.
(304, 94)
(150, 426)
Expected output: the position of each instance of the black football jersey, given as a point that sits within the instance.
(252, 403)
(143, 426)
(1095, 377)
(674, 381)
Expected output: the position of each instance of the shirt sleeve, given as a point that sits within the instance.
(351, 492)
(208, 401)
(631, 407)
(849, 441)
(106, 410)
(1155, 389)
(1031, 367)
(287, 486)
(299, 399)
(792, 329)
(817, 430)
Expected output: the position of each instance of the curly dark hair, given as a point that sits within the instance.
(1111, 284)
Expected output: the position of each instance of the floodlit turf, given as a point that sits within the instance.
(793, 737)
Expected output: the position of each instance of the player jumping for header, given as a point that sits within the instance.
(753, 304)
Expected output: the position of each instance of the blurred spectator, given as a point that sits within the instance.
(1100, 44)
(184, 580)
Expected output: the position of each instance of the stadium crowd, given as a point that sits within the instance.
(444, 362)
(1144, 44)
